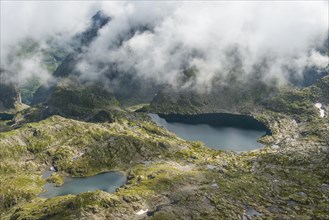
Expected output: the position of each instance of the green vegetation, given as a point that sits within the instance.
(73, 99)
(172, 178)
(236, 97)
(28, 89)
(56, 178)
(76, 148)
(298, 103)
(50, 55)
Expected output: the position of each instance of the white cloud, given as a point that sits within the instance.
(202, 33)
(38, 20)
(182, 34)
(318, 60)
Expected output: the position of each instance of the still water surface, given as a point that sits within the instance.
(218, 131)
(107, 182)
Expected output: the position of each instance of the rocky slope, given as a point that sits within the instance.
(71, 98)
(171, 178)
(234, 96)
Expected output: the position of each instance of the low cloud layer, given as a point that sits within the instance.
(159, 40)
(39, 21)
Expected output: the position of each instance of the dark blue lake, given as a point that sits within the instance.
(218, 131)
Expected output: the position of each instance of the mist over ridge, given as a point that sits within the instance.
(186, 45)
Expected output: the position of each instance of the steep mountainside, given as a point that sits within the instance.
(74, 99)
(236, 97)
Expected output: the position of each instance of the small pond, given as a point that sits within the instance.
(107, 182)
(6, 116)
(218, 131)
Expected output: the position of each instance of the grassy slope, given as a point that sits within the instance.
(287, 179)
(76, 148)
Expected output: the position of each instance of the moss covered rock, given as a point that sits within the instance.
(56, 178)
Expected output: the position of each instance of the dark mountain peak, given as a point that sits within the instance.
(100, 19)
(82, 40)
(67, 67)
